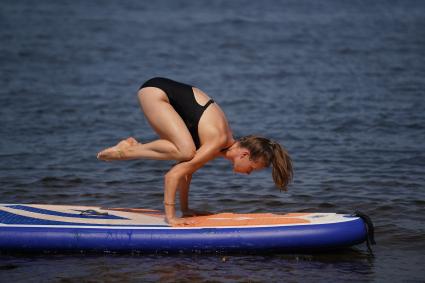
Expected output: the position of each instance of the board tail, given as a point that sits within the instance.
(370, 229)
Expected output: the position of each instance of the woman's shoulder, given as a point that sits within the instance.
(220, 141)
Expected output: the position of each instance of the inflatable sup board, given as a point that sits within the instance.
(37, 227)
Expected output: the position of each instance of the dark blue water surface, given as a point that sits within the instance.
(340, 83)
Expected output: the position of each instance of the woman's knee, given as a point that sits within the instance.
(186, 153)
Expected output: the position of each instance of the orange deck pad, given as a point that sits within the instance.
(232, 219)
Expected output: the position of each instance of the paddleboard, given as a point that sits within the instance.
(42, 227)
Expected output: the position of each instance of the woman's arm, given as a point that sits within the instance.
(184, 192)
(184, 199)
(176, 176)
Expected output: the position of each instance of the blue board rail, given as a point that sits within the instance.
(174, 239)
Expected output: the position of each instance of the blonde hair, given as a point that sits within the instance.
(271, 153)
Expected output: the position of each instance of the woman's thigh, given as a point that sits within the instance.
(164, 120)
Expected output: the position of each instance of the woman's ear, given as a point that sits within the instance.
(245, 153)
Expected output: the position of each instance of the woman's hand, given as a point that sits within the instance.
(191, 212)
(180, 221)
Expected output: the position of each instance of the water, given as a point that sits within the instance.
(340, 84)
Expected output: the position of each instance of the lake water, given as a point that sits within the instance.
(340, 84)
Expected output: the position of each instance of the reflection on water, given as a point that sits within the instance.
(349, 264)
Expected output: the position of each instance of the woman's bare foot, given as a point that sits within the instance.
(117, 152)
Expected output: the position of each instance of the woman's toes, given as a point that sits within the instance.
(106, 154)
(101, 155)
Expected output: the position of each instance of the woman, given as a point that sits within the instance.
(193, 130)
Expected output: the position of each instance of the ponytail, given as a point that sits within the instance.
(282, 167)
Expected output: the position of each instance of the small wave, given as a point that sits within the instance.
(58, 182)
(326, 205)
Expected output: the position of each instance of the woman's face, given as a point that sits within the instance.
(244, 165)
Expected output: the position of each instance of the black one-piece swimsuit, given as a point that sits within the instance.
(183, 100)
